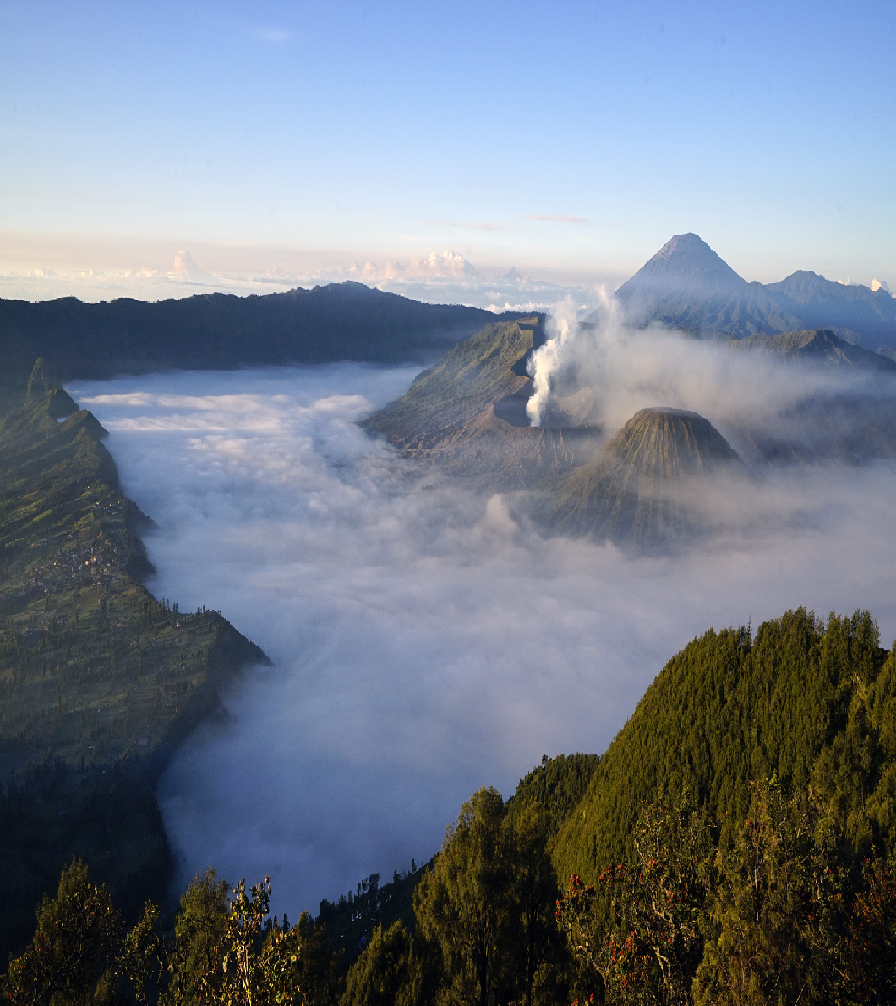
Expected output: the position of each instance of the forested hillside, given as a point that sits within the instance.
(809, 704)
(734, 845)
(99, 680)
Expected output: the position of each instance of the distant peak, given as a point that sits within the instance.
(685, 265)
(683, 243)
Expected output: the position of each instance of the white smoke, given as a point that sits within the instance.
(561, 327)
(743, 393)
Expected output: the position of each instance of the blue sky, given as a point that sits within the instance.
(568, 140)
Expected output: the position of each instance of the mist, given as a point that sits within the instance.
(428, 640)
(750, 396)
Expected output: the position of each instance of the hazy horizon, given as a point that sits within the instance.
(277, 143)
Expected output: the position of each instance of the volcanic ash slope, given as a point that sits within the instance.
(467, 414)
(636, 490)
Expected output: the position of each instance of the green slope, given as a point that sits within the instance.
(99, 681)
(808, 703)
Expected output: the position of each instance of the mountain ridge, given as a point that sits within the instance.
(687, 286)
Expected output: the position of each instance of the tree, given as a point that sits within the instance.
(777, 886)
(534, 892)
(196, 963)
(395, 969)
(74, 954)
(639, 928)
(465, 904)
(317, 966)
(488, 903)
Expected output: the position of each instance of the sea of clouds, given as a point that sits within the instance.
(426, 640)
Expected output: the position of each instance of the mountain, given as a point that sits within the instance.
(340, 321)
(634, 490)
(817, 347)
(100, 682)
(468, 414)
(685, 266)
(800, 702)
(688, 287)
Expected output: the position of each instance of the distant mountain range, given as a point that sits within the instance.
(687, 286)
(340, 321)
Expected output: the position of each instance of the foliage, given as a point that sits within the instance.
(196, 962)
(639, 926)
(81, 951)
(557, 786)
(395, 969)
(354, 918)
(770, 920)
(802, 701)
(487, 903)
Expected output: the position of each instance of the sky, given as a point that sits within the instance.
(427, 639)
(157, 150)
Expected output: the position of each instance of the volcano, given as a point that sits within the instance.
(636, 490)
(688, 287)
(685, 266)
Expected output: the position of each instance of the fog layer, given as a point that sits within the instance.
(426, 641)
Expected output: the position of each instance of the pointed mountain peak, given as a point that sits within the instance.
(684, 266)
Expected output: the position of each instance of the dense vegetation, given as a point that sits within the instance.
(735, 844)
(341, 321)
(99, 680)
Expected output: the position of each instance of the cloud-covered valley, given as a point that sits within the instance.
(426, 640)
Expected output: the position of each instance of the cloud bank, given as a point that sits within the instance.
(426, 640)
(437, 277)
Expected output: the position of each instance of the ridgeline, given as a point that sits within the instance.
(99, 680)
(216, 331)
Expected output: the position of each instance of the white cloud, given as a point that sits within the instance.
(184, 265)
(426, 640)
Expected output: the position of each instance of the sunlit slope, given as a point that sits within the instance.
(800, 701)
(557, 786)
(635, 490)
(468, 413)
